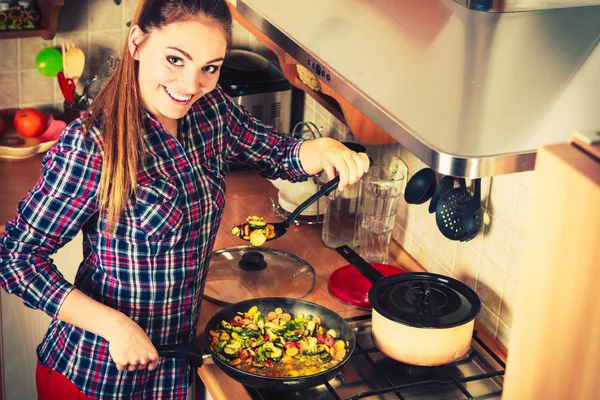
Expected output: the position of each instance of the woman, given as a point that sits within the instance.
(142, 178)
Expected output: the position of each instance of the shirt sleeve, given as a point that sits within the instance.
(49, 216)
(251, 142)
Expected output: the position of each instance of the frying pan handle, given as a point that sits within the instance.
(182, 351)
(359, 263)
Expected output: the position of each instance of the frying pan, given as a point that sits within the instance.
(292, 306)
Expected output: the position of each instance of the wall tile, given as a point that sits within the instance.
(10, 57)
(129, 10)
(504, 332)
(495, 243)
(443, 249)
(73, 15)
(406, 215)
(400, 235)
(509, 300)
(411, 161)
(309, 109)
(466, 264)
(422, 256)
(28, 49)
(9, 95)
(438, 268)
(477, 241)
(490, 285)
(102, 46)
(488, 319)
(105, 15)
(526, 180)
(502, 200)
(423, 227)
(36, 88)
(515, 257)
(522, 212)
(515, 177)
(485, 191)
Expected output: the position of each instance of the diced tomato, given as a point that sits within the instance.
(290, 344)
(266, 337)
(269, 363)
(329, 341)
(320, 338)
(214, 341)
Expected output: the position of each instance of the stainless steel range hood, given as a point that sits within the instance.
(470, 93)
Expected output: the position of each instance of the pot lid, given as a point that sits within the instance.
(425, 300)
(246, 272)
(349, 286)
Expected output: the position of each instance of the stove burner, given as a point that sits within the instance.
(369, 374)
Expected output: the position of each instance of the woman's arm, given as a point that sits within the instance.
(129, 345)
(277, 156)
(331, 156)
(51, 215)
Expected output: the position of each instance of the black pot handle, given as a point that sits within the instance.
(182, 351)
(359, 263)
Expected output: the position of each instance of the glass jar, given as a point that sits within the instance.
(341, 216)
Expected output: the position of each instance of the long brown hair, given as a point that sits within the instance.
(119, 107)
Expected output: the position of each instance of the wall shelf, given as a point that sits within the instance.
(49, 10)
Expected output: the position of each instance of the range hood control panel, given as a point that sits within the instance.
(318, 69)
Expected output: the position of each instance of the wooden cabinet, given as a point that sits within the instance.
(49, 22)
(554, 351)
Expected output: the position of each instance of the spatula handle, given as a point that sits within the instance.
(324, 191)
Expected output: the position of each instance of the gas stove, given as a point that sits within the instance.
(369, 374)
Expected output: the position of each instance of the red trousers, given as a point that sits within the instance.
(52, 385)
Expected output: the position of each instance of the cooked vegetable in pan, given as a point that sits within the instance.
(255, 229)
(277, 344)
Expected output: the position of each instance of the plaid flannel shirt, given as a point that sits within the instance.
(154, 266)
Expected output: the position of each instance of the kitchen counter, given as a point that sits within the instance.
(16, 178)
(246, 188)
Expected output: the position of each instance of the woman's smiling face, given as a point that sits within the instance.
(178, 64)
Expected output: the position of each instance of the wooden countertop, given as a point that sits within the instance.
(248, 194)
(16, 178)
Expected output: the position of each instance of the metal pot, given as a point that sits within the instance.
(419, 318)
(332, 320)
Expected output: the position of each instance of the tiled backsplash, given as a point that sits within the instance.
(490, 263)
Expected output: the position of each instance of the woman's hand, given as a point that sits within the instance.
(130, 347)
(335, 159)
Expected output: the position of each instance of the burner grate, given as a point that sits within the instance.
(446, 376)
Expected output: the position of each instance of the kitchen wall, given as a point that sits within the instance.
(96, 26)
(491, 263)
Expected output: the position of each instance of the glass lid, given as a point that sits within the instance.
(246, 272)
